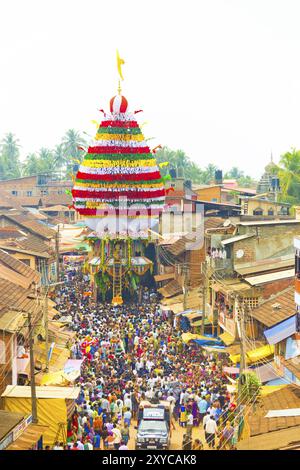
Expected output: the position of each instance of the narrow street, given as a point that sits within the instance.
(132, 354)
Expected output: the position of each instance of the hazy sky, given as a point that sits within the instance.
(219, 79)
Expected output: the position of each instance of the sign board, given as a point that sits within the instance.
(17, 431)
(6, 441)
(154, 413)
(73, 259)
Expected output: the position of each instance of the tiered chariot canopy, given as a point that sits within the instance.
(119, 188)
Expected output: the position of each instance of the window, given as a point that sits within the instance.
(29, 193)
(214, 199)
(42, 179)
(44, 192)
(258, 211)
(14, 193)
(271, 211)
(25, 261)
(284, 211)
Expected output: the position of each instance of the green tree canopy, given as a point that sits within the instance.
(10, 165)
(289, 175)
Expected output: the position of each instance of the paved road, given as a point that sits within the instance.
(176, 439)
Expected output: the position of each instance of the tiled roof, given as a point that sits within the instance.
(26, 200)
(54, 199)
(19, 267)
(172, 288)
(57, 208)
(12, 237)
(29, 222)
(285, 398)
(269, 315)
(10, 232)
(213, 222)
(15, 297)
(185, 242)
(33, 243)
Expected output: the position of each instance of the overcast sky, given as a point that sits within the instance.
(219, 79)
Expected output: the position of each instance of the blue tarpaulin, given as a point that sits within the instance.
(209, 342)
(281, 331)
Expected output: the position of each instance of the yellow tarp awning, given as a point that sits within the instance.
(59, 378)
(50, 413)
(267, 389)
(255, 355)
(227, 338)
(187, 337)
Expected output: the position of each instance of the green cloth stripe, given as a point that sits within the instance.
(118, 156)
(129, 202)
(119, 130)
(105, 182)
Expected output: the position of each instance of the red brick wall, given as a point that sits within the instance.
(248, 246)
(274, 287)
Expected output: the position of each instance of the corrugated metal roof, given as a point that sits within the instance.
(264, 265)
(237, 238)
(281, 331)
(18, 391)
(269, 222)
(263, 278)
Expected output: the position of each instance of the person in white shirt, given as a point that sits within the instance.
(171, 400)
(80, 445)
(211, 430)
(123, 446)
(127, 402)
(118, 437)
(149, 394)
(189, 423)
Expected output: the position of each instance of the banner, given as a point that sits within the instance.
(73, 259)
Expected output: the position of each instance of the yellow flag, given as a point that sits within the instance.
(120, 62)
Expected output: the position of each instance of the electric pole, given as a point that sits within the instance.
(243, 364)
(206, 273)
(32, 377)
(46, 322)
(185, 281)
(57, 254)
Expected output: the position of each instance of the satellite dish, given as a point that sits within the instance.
(240, 253)
(227, 223)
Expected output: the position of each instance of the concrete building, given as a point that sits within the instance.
(35, 186)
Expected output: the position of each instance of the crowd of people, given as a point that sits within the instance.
(132, 354)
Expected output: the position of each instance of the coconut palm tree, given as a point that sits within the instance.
(289, 175)
(71, 143)
(10, 165)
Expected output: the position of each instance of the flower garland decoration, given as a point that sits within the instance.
(119, 164)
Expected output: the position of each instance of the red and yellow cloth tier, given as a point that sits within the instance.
(118, 164)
